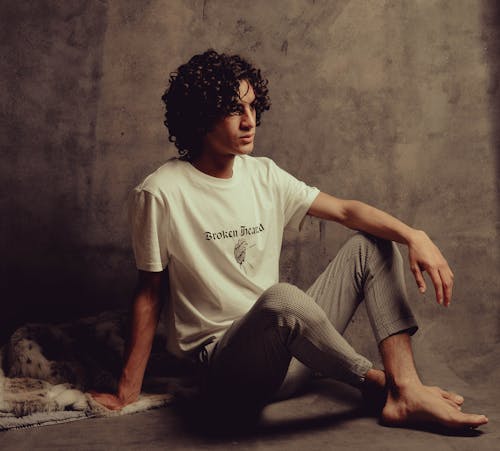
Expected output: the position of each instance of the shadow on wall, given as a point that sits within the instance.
(51, 69)
(491, 39)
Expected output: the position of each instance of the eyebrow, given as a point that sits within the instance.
(250, 103)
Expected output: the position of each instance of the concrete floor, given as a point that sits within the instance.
(327, 416)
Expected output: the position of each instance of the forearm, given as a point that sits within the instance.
(423, 254)
(145, 313)
(360, 216)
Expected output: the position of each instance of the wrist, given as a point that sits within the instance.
(413, 236)
(127, 390)
(127, 396)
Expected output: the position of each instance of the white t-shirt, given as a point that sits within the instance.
(220, 238)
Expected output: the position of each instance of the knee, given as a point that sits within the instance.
(281, 290)
(286, 303)
(281, 296)
(367, 244)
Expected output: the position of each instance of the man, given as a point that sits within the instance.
(215, 218)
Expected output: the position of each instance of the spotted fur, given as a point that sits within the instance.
(48, 367)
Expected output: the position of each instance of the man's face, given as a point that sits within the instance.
(234, 134)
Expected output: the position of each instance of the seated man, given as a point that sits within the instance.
(215, 218)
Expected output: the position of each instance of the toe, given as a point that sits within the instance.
(457, 399)
(451, 403)
(477, 420)
(472, 420)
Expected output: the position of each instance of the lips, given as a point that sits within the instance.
(247, 138)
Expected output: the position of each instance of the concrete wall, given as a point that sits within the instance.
(391, 102)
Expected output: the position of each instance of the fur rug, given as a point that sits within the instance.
(49, 368)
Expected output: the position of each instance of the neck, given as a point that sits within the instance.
(220, 166)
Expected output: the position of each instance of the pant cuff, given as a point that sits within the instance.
(408, 325)
(359, 370)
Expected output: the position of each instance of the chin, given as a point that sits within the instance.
(245, 150)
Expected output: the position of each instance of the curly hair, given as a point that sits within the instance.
(204, 90)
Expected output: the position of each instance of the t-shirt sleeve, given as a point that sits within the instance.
(148, 218)
(296, 197)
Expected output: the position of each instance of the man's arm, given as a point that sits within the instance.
(145, 313)
(422, 252)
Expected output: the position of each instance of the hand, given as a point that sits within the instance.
(424, 255)
(110, 401)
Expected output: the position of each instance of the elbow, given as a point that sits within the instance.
(147, 304)
(348, 213)
(342, 213)
(148, 300)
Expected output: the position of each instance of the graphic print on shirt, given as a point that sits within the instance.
(243, 239)
(240, 253)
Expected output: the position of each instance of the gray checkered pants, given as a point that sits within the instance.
(289, 334)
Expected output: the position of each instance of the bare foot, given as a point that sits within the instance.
(374, 392)
(418, 404)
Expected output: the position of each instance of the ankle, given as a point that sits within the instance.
(398, 384)
(375, 377)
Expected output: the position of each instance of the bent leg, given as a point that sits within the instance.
(251, 359)
(370, 269)
(365, 268)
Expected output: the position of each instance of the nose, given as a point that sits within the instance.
(248, 119)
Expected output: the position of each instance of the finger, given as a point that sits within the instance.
(419, 277)
(436, 280)
(111, 405)
(107, 400)
(447, 286)
(115, 406)
(97, 395)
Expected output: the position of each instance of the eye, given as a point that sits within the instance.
(238, 111)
